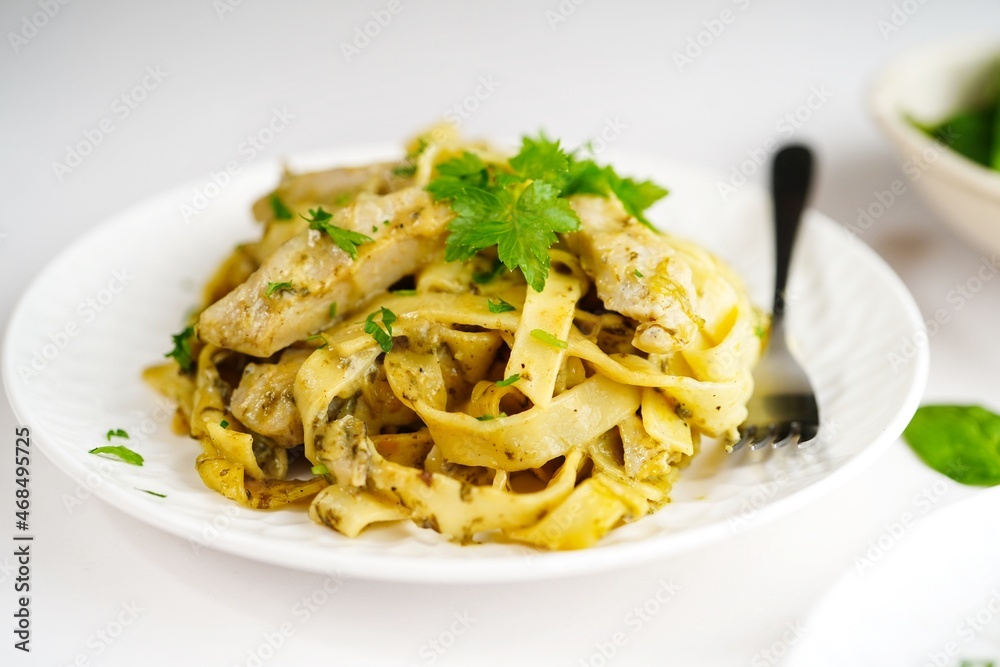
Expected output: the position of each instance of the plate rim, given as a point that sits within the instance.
(488, 569)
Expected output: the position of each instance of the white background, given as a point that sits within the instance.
(608, 61)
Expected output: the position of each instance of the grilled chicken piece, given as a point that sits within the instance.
(637, 272)
(264, 401)
(333, 189)
(326, 188)
(249, 321)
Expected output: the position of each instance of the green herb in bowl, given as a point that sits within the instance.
(973, 131)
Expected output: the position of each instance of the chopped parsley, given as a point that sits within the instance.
(374, 228)
(117, 433)
(224, 424)
(333, 310)
(345, 239)
(122, 453)
(501, 307)
(487, 418)
(520, 206)
(281, 212)
(549, 339)
(278, 288)
(152, 493)
(382, 336)
(484, 277)
(318, 337)
(319, 469)
(638, 273)
(509, 381)
(418, 150)
(182, 349)
(408, 168)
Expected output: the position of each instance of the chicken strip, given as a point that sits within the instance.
(333, 189)
(328, 187)
(637, 272)
(264, 401)
(408, 230)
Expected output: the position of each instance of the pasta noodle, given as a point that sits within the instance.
(393, 375)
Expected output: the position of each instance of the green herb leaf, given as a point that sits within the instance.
(345, 239)
(273, 288)
(637, 196)
(587, 177)
(224, 424)
(549, 339)
(318, 337)
(404, 170)
(319, 469)
(541, 159)
(120, 452)
(484, 277)
(281, 212)
(506, 382)
(152, 493)
(638, 273)
(333, 310)
(501, 307)
(962, 442)
(117, 433)
(486, 418)
(969, 133)
(382, 336)
(418, 150)
(458, 174)
(520, 206)
(182, 349)
(522, 229)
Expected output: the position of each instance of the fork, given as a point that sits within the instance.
(782, 411)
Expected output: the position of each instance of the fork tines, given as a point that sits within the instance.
(776, 435)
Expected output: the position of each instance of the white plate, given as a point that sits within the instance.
(848, 313)
(932, 599)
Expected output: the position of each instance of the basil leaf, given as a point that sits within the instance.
(960, 441)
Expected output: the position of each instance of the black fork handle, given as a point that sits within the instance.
(791, 176)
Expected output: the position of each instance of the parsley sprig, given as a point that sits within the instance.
(382, 336)
(119, 452)
(278, 207)
(520, 206)
(278, 288)
(506, 382)
(182, 349)
(549, 339)
(345, 239)
(500, 307)
(587, 177)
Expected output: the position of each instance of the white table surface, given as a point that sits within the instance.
(608, 62)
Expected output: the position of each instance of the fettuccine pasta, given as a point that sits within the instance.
(342, 361)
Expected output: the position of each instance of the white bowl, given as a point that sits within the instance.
(930, 83)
